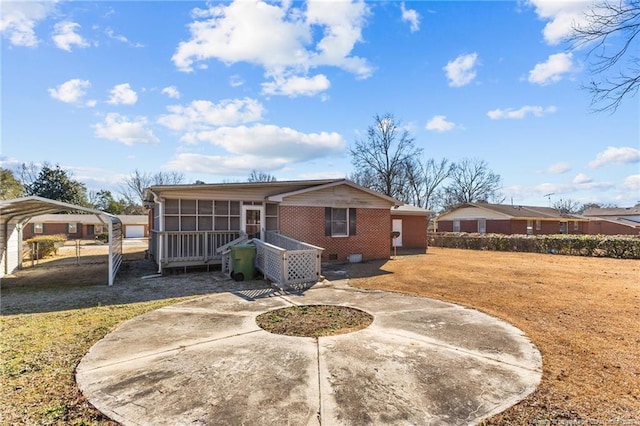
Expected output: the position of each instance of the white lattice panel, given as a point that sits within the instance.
(301, 266)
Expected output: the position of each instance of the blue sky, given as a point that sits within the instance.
(217, 89)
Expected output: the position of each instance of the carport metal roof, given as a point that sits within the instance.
(21, 210)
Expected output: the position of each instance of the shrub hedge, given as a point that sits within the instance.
(618, 246)
(47, 244)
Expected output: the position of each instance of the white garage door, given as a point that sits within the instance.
(134, 231)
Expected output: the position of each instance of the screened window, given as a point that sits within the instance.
(339, 222)
(201, 215)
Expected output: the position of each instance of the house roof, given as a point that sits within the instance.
(599, 211)
(515, 211)
(272, 191)
(409, 210)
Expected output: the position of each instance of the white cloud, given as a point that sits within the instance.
(552, 70)
(581, 178)
(632, 182)
(278, 37)
(71, 91)
(273, 142)
(296, 86)
(236, 81)
(65, 36)
(171, 91)
(410, 16)
(460, 71)
(557, 168)
(264, 147)
(616, 155)
(123, 94)
(562, 17)
(439, 123)
(119, 128)
(518, 114)
(121, 38)
(201, 114)
(19, 19)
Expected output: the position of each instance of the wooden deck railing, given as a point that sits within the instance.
(193, 246)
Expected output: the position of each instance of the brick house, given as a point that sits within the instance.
(510, 219)
(83, 226)
(411, 222)
(338, 216)
(613, 221)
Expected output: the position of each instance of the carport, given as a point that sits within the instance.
(15, 213)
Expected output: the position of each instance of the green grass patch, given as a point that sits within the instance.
(38, 356)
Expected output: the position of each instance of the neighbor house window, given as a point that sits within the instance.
(99, 229)
(575, 226)
(482, 226)
(339, 222)
(38, 228)
(538, 225)
(72, 228)
(456, 226)
(529, 227)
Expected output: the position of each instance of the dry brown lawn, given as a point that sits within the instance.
(582, 313)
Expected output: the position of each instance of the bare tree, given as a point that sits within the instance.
(133, 187)
(260, 176)
(424, 179)
(568, 206)
(382, 159)
(472, 181)
(605, 21)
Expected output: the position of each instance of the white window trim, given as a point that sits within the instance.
(38, 228)
(75, 228)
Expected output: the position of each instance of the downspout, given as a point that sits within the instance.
(159, 202)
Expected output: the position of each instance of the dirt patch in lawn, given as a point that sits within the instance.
(582, 313)
(314, 320)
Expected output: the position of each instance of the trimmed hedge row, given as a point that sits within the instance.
(619, 246)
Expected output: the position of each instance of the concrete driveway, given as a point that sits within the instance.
(205, 361)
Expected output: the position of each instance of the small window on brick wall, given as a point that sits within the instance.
(38, 228)
(456, 226)
(72, 228)
(339, 222)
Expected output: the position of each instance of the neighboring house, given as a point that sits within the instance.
(190, 223)
(509, 219)
(411, 222)
(613, 221)
(83, 226)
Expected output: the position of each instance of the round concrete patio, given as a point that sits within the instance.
(205, 361)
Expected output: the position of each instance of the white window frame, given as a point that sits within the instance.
(575, 226)
(538, 225)
(482, 226)
(529, 226)
(456, 226)
(38, 228)
(72, 228)
(99, 229)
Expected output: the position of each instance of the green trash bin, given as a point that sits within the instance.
(243, 256)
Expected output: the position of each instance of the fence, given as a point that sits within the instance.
(193, 246)
(286, 261)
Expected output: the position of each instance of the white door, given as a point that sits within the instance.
(134, 231)
(396, 225)
(252, 221)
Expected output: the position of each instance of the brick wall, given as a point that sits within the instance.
(414, 231)
(54, 229)
(372, 239)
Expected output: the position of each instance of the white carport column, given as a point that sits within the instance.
(160, 240)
